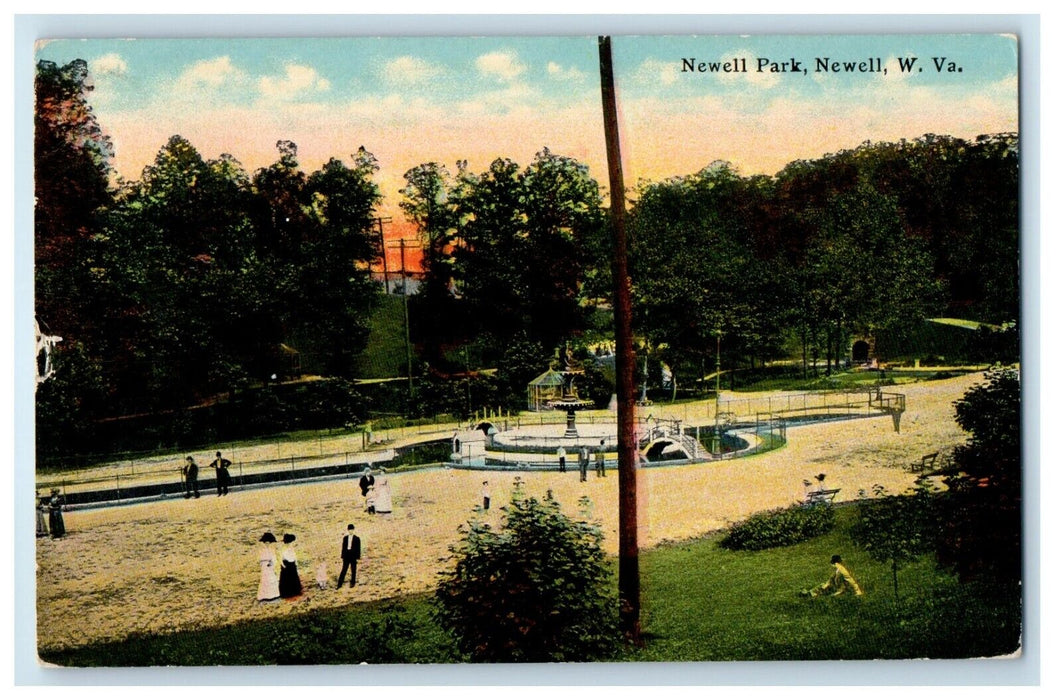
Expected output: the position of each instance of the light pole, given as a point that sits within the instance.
(716, 437)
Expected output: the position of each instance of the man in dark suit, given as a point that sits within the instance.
(191, 477)
(221, 470)
(350, 554)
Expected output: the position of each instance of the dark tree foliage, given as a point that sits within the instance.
(439, 319)
(981, 512)
(194, 281)
(695, 270)
(69, 403)
(536, 590)
(72, 166)
(507, 245)
(524, 359)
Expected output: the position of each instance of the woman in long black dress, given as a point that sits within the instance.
(55, 515)
(290, 584)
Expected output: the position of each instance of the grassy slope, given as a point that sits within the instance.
(699, 603)
(385, 353)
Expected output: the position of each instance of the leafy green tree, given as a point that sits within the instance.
(519, 257)
(864, 273)
(896, 529)
(336, 293)
(524, 359)
(535, 590)
(72, 170)
(981, 527)
(438, 317)
(176, 266)
(695, 270)
(315, 236)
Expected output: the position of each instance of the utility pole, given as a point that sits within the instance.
(629, 577)
(405, 309)
(380, 221)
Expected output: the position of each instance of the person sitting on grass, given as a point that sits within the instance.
(841, 581)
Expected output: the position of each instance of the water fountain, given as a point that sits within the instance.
(569, 402)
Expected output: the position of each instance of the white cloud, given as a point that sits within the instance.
(559, 72)
(502, 65)
(410, 70)
(212, 73)
(109, 64)
(296, 81)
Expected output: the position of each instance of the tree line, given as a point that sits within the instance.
(863, 242)
(200, 279)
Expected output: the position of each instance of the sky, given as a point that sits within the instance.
(411, 100)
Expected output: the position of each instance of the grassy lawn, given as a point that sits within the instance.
(842, 381)
(700, 603)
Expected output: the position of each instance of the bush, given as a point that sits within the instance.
(536, 590)
(779, 527)
(980, 534)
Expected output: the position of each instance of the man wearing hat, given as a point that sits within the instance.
(221, 471)
(350, 554)
(191, 477)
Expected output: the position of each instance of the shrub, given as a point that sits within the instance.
(981, 523)
(780, 527)
(536, 590)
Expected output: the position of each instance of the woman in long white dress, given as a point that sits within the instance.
(382, 502)
(268, 584)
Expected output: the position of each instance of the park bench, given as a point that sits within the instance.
(925, 464)
(819, 496)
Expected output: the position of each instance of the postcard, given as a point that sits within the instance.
(447, 350)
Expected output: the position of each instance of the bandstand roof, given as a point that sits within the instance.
(548, 378)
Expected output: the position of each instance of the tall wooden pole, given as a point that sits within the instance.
(629, 579)
(405, 312)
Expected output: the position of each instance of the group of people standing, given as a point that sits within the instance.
(190, 476)
(584, 460)
(279, 570)
(53, 506)
(376, 490)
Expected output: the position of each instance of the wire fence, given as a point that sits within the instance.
(334, 452)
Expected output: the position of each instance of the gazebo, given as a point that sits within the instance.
(544, 388)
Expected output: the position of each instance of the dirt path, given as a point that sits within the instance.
(180, 564)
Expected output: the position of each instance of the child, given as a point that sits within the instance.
(485, 491)
(322, 576)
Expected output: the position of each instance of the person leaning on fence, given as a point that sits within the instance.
(840, 582)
